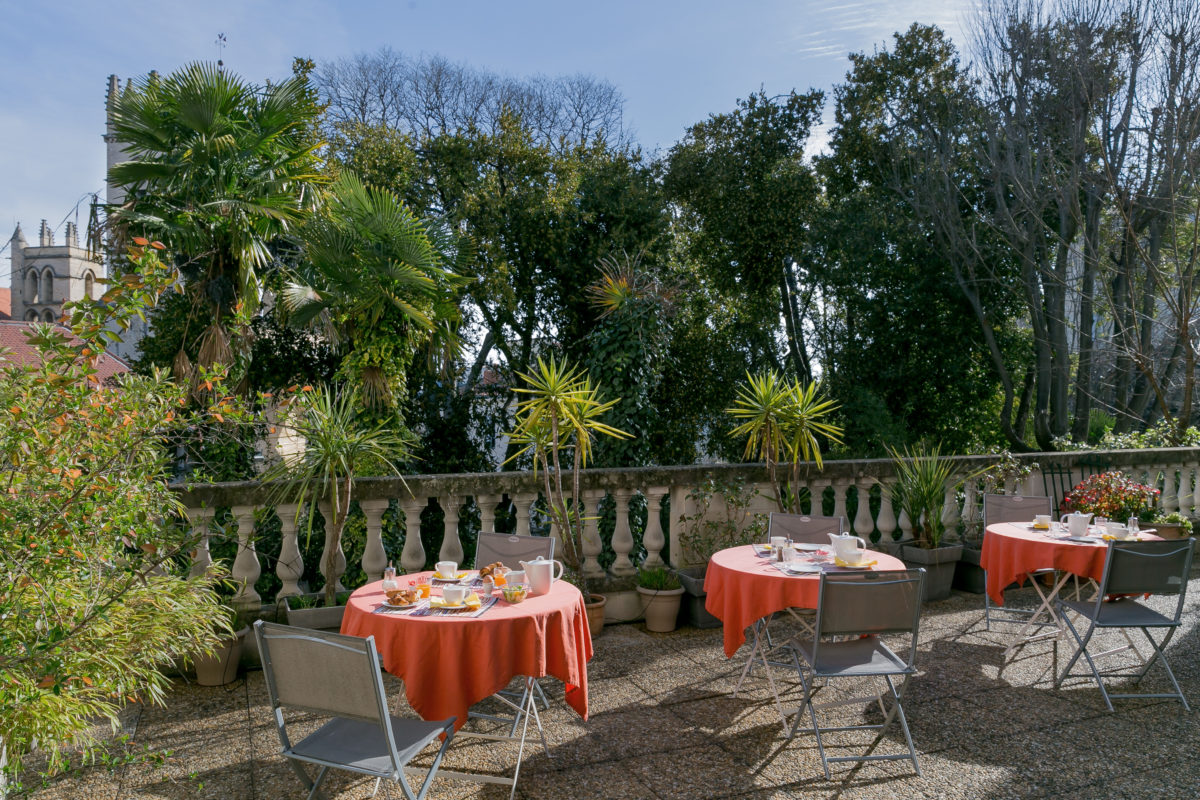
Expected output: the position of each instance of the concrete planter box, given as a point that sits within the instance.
(968, 575)
(939, 564)
(221, 666)
(691, 610)
(323, 618)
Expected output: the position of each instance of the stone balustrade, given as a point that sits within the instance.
(839, 488)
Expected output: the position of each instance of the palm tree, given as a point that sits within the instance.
(219, 170)
(340, 445)
(782, 421)
(371, 276)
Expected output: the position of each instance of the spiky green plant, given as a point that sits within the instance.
(783, 421)
(921, 476)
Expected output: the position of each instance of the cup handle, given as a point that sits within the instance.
(861, 544)
(560, 570)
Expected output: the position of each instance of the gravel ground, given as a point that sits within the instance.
(664, 725)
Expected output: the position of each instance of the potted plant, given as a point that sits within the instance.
(921, 476)
(219, 666)
(342, 441)
(556, 423)
(781, 420)
(1172, 526)
(721, 520)
(662, 593)
(1113, 495)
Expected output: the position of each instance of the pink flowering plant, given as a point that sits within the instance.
(1113, 495)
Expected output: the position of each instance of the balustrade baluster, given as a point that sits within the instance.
(653, 537)
(591, 534)
(886, 521)
(412, 558)
(968, 509)
(200, 519)
(487, 512)
(452, 549)
(374, 558)
(816, 494)
(523, 503)
(246, 568)
(864, 526)
(339, 554)
(1170, 493)
(950, 510)
(1196, 489)
(839, 499)
(906, 527)
(622, 535)
(291, 564)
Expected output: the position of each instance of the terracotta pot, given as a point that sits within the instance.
(221, 666)
(595, 612)
(662, 608)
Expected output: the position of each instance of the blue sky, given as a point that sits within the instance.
(675, 62)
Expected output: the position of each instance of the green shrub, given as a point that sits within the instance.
(658, 579)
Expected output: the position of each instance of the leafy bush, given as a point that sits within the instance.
(705, 533)
(1174, 518)
(1113, 495)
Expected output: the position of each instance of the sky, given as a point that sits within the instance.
(675, 61)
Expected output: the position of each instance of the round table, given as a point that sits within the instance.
(448, 663)
(1014, 550)
(743, 588)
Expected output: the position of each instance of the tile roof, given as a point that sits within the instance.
(13, 338)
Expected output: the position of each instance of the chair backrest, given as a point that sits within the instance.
(1148, 568)
(510, 549)
(856, 603)
(1013, 508)
(323, 672)
(803, 528)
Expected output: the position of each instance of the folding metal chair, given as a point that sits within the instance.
(1015, 508)
(1131, 570)
(859, 607)
(338, 676)
(510, 550)
(804, 529)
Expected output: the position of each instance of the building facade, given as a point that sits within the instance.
(46, 275)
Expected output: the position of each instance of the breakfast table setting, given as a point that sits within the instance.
(1075, 546)
(747, 585)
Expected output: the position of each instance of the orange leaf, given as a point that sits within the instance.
(46, 682)
(141, 241)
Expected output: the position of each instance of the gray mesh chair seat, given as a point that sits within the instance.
(999, 508)
(338, 676)
(510, 550)
(853, 610)
(1131, 570)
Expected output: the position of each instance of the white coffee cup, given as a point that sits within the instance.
(454, 594)
(515, 576)
(446, 569)
(855, 558)
(1041, 520)
(1114, 529)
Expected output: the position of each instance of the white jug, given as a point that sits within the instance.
(847, 546)
(1077, 523)
(540, 574)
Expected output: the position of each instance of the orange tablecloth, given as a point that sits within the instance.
(1012, 550)
(743, 588)
(448, 663)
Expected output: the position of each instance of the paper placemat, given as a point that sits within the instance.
(423, 609)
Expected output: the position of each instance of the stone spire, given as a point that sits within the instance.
(45, 235)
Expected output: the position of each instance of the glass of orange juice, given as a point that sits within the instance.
(424, 585)
(498, 578)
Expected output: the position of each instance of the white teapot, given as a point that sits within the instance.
(1077, 523)
(541, 574)
(847, 547)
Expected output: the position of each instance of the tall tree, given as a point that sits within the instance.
(742, 180)
(219, 169)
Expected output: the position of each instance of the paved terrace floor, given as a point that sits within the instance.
(663, 725)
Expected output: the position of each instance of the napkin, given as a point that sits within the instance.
(472, 601)
(1108, 537)
(837, 561)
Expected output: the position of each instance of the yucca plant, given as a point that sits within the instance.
(921, 475)
(783, 421)
(561, 412)
(342, 441)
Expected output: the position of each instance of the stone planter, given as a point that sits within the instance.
(968, 575)
(939, 563)
(1169, 530)
(594, 605)
(322, 618)
(692, 611)
(662, 608)
(221, 666)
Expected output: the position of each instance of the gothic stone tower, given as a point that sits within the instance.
(46, 275)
